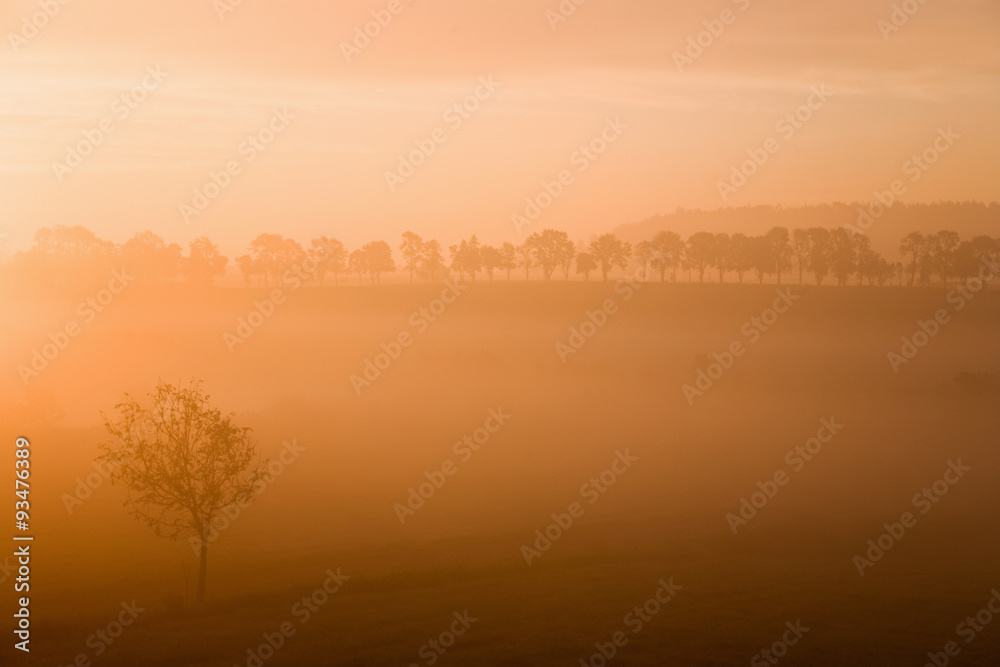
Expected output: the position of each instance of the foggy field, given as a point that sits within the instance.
(495, 348)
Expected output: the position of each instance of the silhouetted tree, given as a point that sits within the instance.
(723, 254)
(701, 252)
(204, 262)
(413, 249)
(978, 251)
(780, 246)
(526, 254)
(843, 254)
(249, 269)
(267, 251)
(801, 248)
(466, 258)
(609, 251)
(432, 261)
(669, 248)
(473, 257)
(508, 258)
(357, 262)
(943, 247)
(913, 245)
(63, 255)
(378, 260)
(76, 241)
(151, 259)
(329, 256)
(740, 255)
(820, 252)
(761, 260)
(585, 263)
(645, 252)
(182, 462)
(491, 260)
(868, 263)
(550, 248)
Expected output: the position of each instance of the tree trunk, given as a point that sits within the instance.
(202, 572)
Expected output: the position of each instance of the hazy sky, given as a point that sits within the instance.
(682, 130)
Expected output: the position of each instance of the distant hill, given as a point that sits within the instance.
(967, 218)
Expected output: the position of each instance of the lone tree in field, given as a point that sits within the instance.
(182, 462)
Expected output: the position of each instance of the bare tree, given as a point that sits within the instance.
(182, 462)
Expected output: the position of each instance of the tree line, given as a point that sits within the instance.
(819, 253)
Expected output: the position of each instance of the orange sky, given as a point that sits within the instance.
(325, 172)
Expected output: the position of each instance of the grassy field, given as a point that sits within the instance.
(493, 348)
